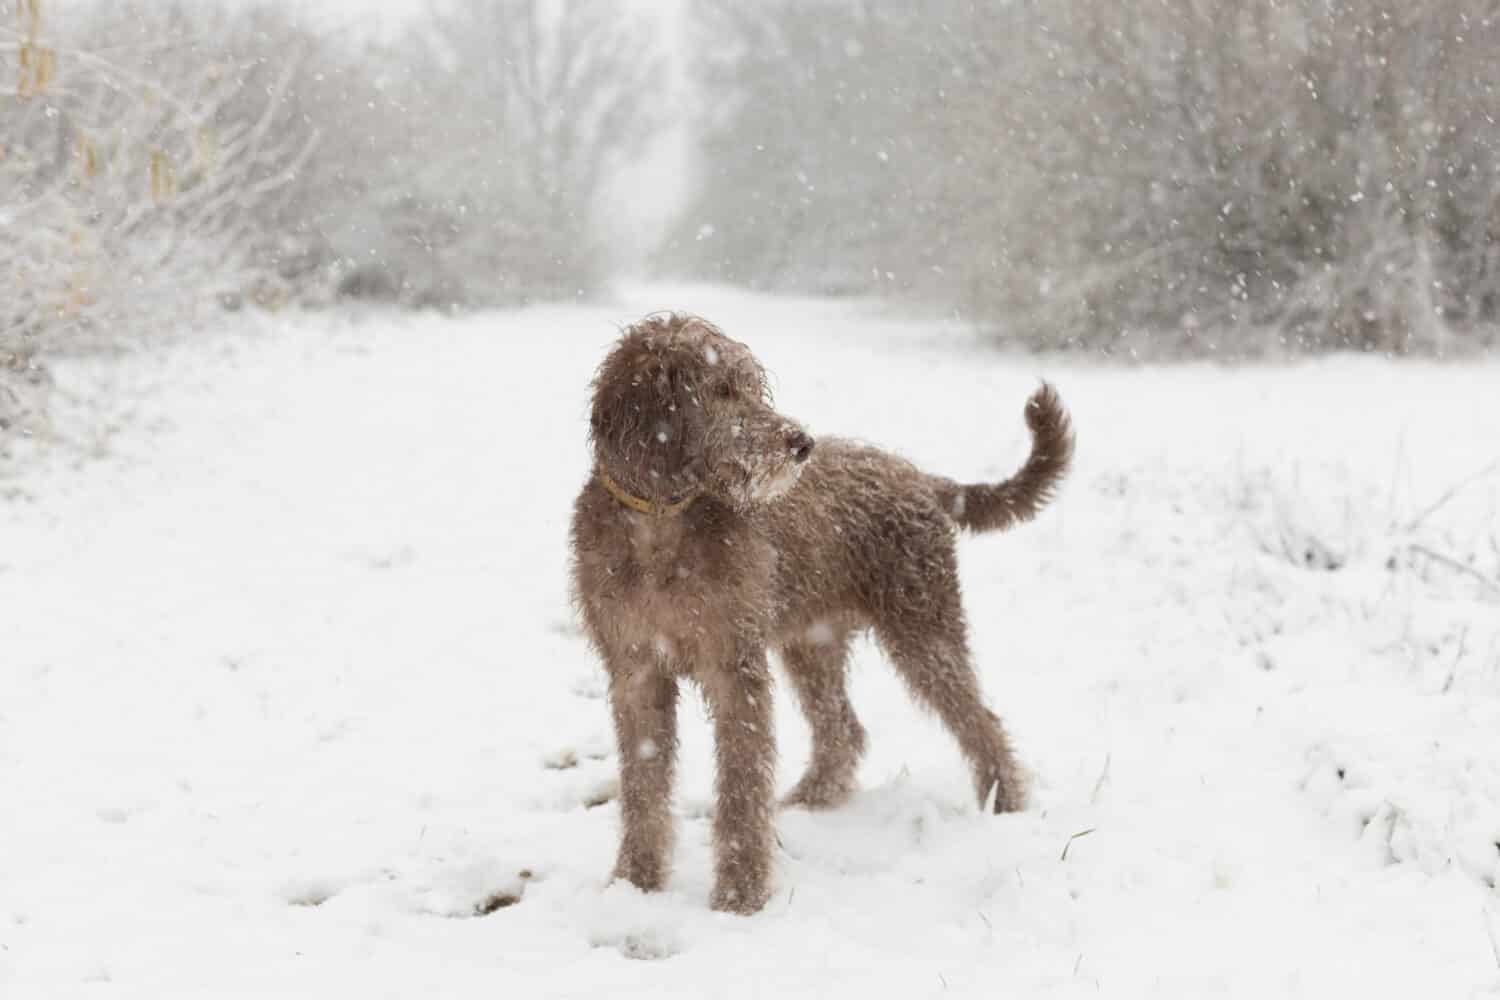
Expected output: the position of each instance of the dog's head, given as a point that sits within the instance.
(680, 409)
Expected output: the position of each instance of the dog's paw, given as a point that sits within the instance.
(820, 791)
(647, 873)
(741, 899)
(1002, 795)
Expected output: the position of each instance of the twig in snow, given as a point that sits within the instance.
(1080, 833)
(1452, 492)
(1463, 648)
(1104, 774)
(1454, 564)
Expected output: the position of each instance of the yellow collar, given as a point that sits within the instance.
(642, 505)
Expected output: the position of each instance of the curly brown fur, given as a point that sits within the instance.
(772, 551)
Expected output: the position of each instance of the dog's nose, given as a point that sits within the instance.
(801, 445)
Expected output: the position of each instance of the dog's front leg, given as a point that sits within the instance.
(740, 698)
(644, 703)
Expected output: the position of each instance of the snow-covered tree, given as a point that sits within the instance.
(1190, 175)
(514, 112)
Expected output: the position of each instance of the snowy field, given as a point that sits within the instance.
(292, 700)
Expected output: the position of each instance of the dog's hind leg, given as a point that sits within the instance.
(644, 704)
(938, 672)
(923, 632)
(739, 698)
(818, 670)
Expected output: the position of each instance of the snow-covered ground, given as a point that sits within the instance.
(291, 692)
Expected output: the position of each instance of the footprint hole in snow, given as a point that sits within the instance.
(314, 900)
(641, 946)
(600, 794)
(561, 760)
(497, 901)
(310, 895)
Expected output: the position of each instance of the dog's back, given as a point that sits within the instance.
(864, 532)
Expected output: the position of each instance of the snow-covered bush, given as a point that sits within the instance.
(158, 161)
(1191, 176)
(133, 171)
(135, 168)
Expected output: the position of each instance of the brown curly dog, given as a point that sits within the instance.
(711, 531)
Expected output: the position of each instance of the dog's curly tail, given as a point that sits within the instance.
(998, 506)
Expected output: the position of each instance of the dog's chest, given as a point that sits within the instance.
(665, 553)
(688, 589)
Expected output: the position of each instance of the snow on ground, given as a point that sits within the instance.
(292, 701)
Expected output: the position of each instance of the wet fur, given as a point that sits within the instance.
(770, 554)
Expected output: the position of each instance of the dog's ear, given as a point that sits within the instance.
(604, 414)
(619, 414)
